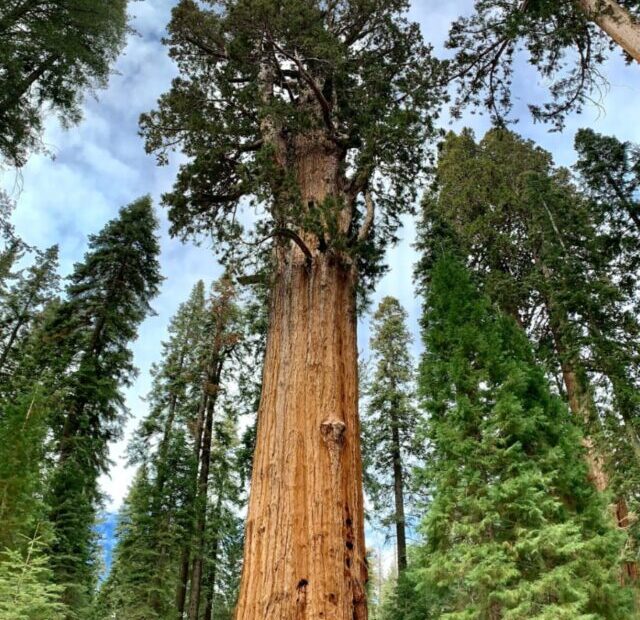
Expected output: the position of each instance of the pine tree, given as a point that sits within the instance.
(181, 525)
(321, 113)
(223, 336)
(173, 402)
(514, 530)
(51, 52)
(543, 253)
(26, 587)
(565, 41)
(224, 534)
(134, 587)
(24, 301)
(108, 296)
(389, 421)
(27, 398)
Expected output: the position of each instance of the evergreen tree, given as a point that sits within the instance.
(134, 588)
(543, 254)
(24, 301)
(320, 112)
(514, 530)
(611, 169)
(108, 296)
(28, 396)
(224, 536)
(181, 525)
(389, 421)
(223, 336)
(566, 42)
(26, 588)
(50, 53)
(610, 172)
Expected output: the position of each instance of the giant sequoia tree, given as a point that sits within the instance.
(565, 42)
(319, 113)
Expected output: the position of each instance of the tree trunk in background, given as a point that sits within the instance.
(582, 406)
(212, 574)
(183, 579)
(617, 22)
(398, 487)
(201, 504)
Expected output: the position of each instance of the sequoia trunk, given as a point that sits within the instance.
(582, 406)
(304, 552)
(617, 22)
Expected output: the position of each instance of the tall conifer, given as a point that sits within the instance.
(514, 529)
(108, 296)
(389, 421)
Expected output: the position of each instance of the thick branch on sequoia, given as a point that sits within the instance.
(290, 234)
(317, 91)
(367, 224)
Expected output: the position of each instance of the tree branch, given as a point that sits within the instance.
(293, 236)
(317, 91)
(369, 217)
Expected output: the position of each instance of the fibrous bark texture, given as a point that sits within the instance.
(617, 22)
(304, 551)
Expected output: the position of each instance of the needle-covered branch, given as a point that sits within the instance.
(566, 42)
(349, 85)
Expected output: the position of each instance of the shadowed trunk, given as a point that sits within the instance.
(398, 487)
(183, 580)
(201, 509)
(582, 406)
(212, 573)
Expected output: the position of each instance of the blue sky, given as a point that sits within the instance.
(101, 165)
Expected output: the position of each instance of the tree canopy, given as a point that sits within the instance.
(51, 53)
(264, 85)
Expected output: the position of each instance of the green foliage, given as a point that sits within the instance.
(26, 301)
(23, 303)
(515, 529)
(160, 525)
(552, 257)
(610, 171)
(264, 85)
(26, 588)
(389, 416)
(560, 40)
(50, 53)
(23, 434)
(89, 335)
